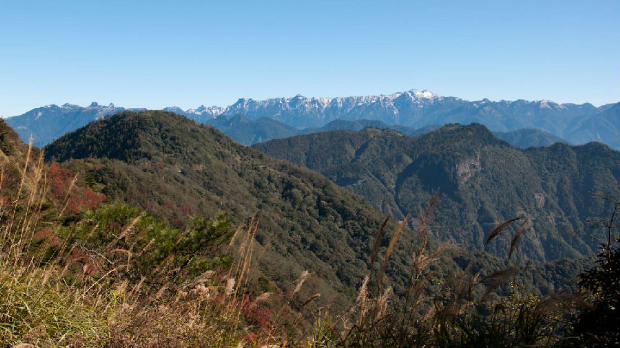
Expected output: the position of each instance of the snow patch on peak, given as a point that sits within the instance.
(547, 104)
(393, 95)
(425, 94)
(211, 110)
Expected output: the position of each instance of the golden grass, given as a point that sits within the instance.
(49, 297)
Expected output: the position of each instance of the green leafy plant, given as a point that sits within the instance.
(596, 323)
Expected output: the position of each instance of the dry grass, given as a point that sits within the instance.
(463, 314)
(55, 291)
(37, 304)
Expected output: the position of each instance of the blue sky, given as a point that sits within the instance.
(187, 53)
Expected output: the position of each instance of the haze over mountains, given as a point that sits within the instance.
(575, 123)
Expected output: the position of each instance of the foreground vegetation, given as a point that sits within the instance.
(78, 270)
(111, 275)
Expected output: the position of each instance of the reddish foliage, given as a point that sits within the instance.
(171, 212)
(187, 210)
(77, 257)
(86, 261)
(256, 315)
(46, 234)
(251, 338)
(60, 181)
(171, 207)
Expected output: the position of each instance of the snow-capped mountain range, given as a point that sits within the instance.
(577, 123)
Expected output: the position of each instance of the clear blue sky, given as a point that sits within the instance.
(187, 53)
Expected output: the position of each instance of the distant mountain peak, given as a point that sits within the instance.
(426, 94)
(413, 108)
(209, 112)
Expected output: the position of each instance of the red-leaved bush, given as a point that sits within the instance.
(64, 191)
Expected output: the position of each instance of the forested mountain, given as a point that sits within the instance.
(528, 137)
(249, 132)
(413, 109)
(176, 167)
(151, 290)
(483, 180)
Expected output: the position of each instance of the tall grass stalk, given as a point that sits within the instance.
(60, 286)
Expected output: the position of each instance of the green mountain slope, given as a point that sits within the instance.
(249, 132)
(483, 181)
(528, 137)
(116, 276)
(176, 167)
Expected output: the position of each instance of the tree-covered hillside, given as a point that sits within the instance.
(175, 168)
(528, 137)
(483, 180)
(78, 269)
(249, 132)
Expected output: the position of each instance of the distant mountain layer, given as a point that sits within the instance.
(249, 132)
(524, 138)
(482, 180)
(577, 124)
(415, 109)
(603, 127)
(50, 122)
